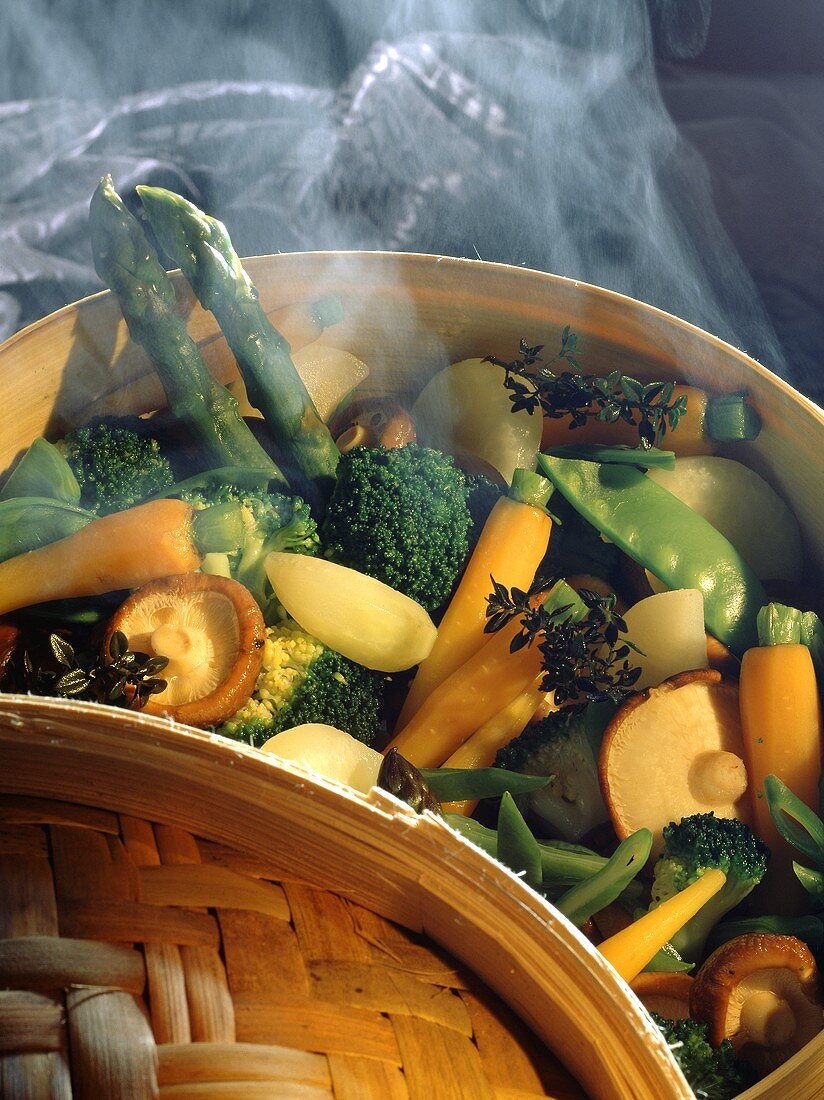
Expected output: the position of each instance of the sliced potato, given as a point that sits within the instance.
(669, 630)
(466, 411)
(330, 752)
(743, 507)
(360, 617)
(673, 751)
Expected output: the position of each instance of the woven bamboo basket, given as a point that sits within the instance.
(184, 917)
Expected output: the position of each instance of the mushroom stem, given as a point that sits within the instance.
(185, 646)
(768, 1019)
(718, 778)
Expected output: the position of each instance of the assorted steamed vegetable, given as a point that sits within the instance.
(570, 654)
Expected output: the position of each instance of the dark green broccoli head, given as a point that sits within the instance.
(481, 497)
(115, 465)
(712, 1073)
(247, 525)
(302, 681)
(400, 515)
(702, 841)
(564, 747)
(695, 845)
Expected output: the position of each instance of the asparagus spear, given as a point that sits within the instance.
(127, 263)
(202, 248)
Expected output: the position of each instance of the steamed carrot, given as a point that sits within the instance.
(121, 550)
(510, 549)
(781, 725)
(476, 691)
(480, 749)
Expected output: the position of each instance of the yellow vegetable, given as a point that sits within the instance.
(630, 950)
(510, 549)
(781, 726)
(482, 747)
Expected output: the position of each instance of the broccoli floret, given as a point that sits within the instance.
(400, 515)
(481, 497)
(115, 465)
(695, 845)
(248, 524)
(713, 1073)
(301, 680)
(563, 745)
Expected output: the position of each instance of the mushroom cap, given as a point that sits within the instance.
(672, 751)
(666, 994)
(761, 992)
(212, 631)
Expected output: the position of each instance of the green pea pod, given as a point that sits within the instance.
(668, 961)
(596, 893)
(665, 536)
(42, 472)
(517, 847)
(29, 522)
(456, 784)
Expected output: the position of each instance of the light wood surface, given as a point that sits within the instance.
(125, 776)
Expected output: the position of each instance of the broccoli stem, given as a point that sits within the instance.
(602, 888)
(127, 263)
(202, 248)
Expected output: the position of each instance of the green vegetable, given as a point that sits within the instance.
(713, 1073)
(126, 262)
(42, 472)
(457, 784)
(676, 544)
(577, 547)
(562, 865)
(644, 458)
(668, 961)
(29, 522)
(201, 247)
(247, 525)
(517, 847)
(693, 846)
(779, 625)
(812, 636)
(731, 419)
(400, 515)
(579, 903)
(810, 929)
(302, 681)
(563, 747)
(115, 467)
(801, 828)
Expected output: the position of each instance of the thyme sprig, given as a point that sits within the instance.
(120, 677)
(581, 396)
(584, 658)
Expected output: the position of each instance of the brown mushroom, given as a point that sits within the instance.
(672, 751)
(9, 641)
(666, 994)
(211, 630)
(370, 422)
(761, 992)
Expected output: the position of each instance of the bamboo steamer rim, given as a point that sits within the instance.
(652, 1066)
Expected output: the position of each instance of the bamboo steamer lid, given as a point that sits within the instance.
(183, 917)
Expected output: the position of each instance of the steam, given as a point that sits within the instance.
(537, 138)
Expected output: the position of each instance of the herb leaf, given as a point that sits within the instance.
(573, 393)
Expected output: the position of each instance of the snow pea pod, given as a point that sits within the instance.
(665, 536)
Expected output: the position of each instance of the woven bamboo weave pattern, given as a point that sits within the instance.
(137, 961)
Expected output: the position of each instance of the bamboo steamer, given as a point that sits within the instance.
(183, 917)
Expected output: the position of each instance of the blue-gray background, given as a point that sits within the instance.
(660, 149)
